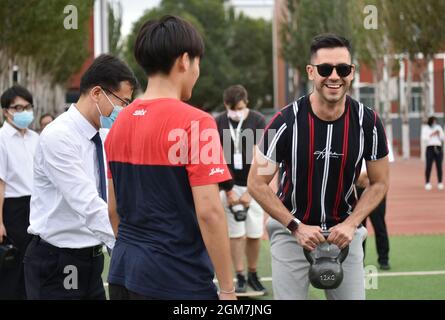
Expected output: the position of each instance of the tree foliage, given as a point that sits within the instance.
(306, 19)
(35, 29)
(237, 50)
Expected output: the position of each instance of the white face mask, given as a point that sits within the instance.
(235, 115)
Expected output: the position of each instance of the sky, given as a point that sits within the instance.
(133, 10)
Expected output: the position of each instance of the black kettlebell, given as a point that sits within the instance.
(239, 212)
(326, 272)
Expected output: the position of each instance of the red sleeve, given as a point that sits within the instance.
(108, 153)
(206, 163)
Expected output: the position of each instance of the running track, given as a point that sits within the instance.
(410, 209)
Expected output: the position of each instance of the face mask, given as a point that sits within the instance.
(107, 122)
(235, 115)
(22, 119)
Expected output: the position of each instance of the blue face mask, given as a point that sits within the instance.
(107, 122)
(22, 119)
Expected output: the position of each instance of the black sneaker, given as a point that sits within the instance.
(385, 266)
(254, 283)
(241, 285)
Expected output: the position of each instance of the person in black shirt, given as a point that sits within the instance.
(239, 127)
(320, 140)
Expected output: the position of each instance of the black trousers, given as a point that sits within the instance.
(433, 154)
(118, 292)
(16, 221)
(53, 273)
(381, 233)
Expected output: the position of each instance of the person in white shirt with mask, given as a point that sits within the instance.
(17, 147)
(69, 213)
(433, 137)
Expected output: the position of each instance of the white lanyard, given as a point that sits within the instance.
(236, 135)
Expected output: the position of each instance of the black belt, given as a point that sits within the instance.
(91, 252)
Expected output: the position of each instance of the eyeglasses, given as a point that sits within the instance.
(325, 69)
(126, 102)
(20, 108)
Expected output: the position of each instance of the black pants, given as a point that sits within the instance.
(53, 273)
(381, 233)
(118, 292)
(16, 221)
(433, 154)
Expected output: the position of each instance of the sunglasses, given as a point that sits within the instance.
(325, 69)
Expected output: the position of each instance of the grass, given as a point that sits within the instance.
(407, 254)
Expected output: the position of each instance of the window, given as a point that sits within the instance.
(416, 99)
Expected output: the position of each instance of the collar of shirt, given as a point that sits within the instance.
(11, 131)
(84, 126)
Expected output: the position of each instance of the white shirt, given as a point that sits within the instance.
(66, 209)
(16, 160)
(435, 140)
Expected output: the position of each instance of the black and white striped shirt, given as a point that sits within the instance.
(321, 160)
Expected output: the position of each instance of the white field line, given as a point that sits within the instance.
(377, 274)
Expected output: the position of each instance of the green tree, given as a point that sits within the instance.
(249, 48)
(304, 20)
(230, 43)
(35, 29)
(114, 27)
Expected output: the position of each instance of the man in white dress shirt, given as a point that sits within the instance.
(69, 214)
(17, 147)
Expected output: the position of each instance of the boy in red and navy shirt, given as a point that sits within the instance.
(165, 162)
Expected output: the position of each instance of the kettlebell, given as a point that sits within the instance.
(239, 212)
(326, 272)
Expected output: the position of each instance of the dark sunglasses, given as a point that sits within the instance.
(325, 69)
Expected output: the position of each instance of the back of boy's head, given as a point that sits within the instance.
(160, 42)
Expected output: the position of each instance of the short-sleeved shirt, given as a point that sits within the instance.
(157, 150)
(321, 160)
(16, 160)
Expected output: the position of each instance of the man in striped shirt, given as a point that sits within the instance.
(320, 140)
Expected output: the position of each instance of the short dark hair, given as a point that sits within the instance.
(431, 120)
(46, 115)
(160, 42)
(329, 40)
(15, 91)
(234, 94)
(108, 72)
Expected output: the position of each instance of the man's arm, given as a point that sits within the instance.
(112, 212)
(261, 174)
(378, 175)
(2, 198)
(213, 226)
(441, 134)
